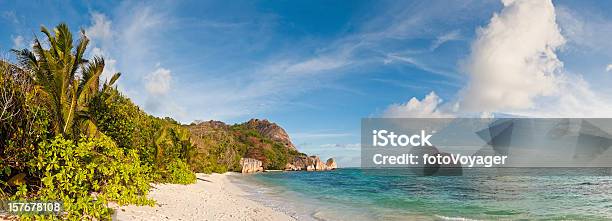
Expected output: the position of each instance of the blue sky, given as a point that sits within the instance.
(318, 67)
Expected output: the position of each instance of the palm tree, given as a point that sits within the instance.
(65, 78)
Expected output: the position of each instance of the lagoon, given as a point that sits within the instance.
(394, 194)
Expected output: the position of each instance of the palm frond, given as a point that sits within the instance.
(79, 52)
(90, 85)
(25, 57)
(63, 38)
(113, 79)
(52, 41)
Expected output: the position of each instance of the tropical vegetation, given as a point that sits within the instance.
(68, 135)
(220, 147)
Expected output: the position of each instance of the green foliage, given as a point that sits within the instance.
(85, 176)
(130, 127)
(220, 147)
(64, 136)
(277, 156)
(23, 123)
(55, 70)
(274, 155)
(157, 141)
(211, 165)
(177, 171)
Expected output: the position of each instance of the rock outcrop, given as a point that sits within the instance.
(250, 165)
(331, 164)
(311, 163)
(271, 131)
(248, 147)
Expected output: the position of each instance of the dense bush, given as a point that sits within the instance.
(218, 149)
(158, 142)
(177, 171)
(85, 176)
(132, 129)
(64, 135)
(22, 124)
(272, 154)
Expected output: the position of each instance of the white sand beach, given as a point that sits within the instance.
(212, 197)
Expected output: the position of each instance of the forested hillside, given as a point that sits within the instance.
(219, 146)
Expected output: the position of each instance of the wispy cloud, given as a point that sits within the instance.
(130, 43)
(404, 84)
(18, 42)
(100, 29)
(345, 146)
(590, 30)
(304, 135)
(270, 84)
(422, 66)
(446, 37)
(101, 34)
(209, 89)
(159, 81)
(11, 16)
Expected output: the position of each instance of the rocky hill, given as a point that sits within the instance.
(251, 146)
(271, 131)
(220, 146)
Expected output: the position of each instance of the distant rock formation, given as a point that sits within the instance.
(331, 164)
(250, 165)
(211, 123)
(311, 163)
(246, 147)
(271, 131)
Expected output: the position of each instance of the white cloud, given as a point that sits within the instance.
(100, 34)
(351, 146)
(420, 65)
(11, 16)
(446, 37)
(578, 100)
(513, 59)
(609, 67)
(311, 135)
(158, 82)
(270, 85)
(130, 44)
(514, 68)
(100, 29)
(315, 65)
(18, 42)
(430, 106)
(585, 29)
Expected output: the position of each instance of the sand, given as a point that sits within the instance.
(212, 197)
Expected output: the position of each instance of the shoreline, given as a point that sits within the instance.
(212, 197)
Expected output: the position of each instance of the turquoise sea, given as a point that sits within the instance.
(392, 194)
